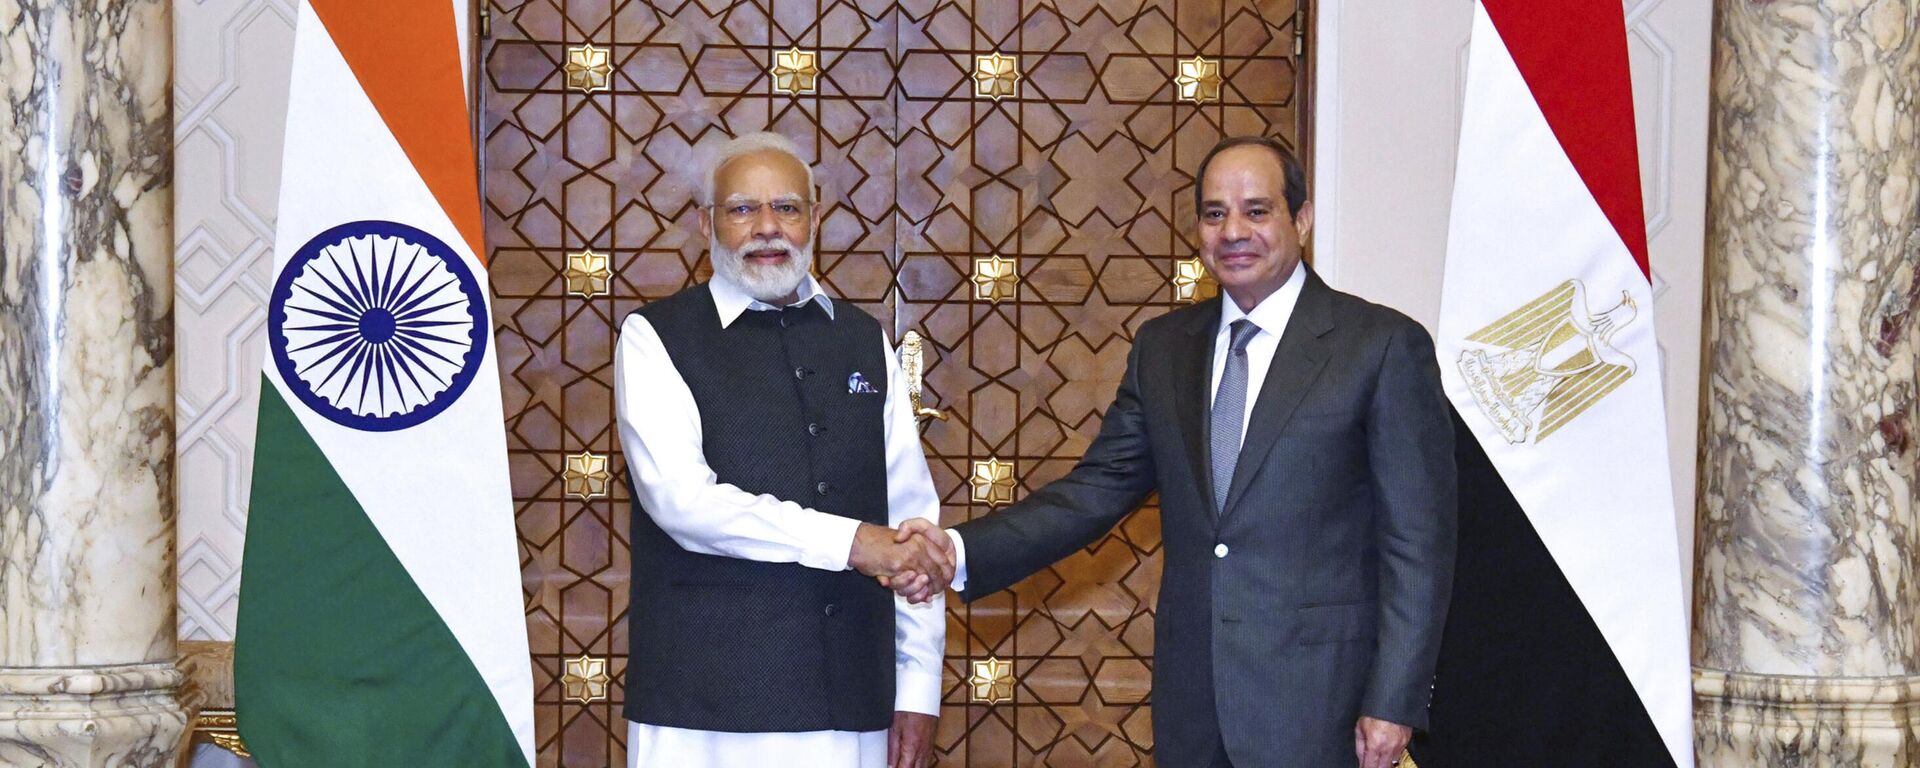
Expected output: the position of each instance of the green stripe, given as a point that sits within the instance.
(339, 659)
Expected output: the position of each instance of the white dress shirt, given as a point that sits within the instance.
(1270, 316)
(660, 431)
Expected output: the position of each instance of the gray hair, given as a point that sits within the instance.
(747, 144)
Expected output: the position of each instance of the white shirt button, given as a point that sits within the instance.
(1219, 550)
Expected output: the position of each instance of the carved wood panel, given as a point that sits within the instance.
(597, 115)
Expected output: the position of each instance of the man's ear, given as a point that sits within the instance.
(706, 221)
(1303, 221)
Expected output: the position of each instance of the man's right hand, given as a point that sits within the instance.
(909, 565)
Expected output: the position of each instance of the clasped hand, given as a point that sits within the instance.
(916, 561)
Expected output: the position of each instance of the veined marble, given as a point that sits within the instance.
(86, 378)
(1807, 612)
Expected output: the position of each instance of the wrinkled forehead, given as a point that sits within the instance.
(765, 175)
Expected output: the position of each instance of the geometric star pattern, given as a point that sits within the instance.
(1076, 173)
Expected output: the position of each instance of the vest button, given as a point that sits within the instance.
(822, 487)
(1219, 550)
(799, 373)
(814, 429)
(830, 609)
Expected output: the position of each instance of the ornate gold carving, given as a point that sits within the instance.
(587, 476)
(1191, 282)
(586, 680)
(913, 364)
(1547, 362)
(996, 76)
(1199, 80)
(795, 71)
(992, 482)
(992, 681)
(995, 278)
(588, 68)
(587, 274)
(221, 727)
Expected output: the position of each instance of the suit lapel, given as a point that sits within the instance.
(1193, 382)
(1296, 363)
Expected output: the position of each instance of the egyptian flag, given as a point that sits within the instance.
(381, 621)
(1567, 641)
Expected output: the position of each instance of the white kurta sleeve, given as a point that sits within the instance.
(661, 435)
(919, 631)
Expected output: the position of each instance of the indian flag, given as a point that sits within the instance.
(1567, 641)
(381, 620)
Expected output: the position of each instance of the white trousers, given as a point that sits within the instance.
(654, 746)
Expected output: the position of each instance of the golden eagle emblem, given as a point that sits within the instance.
(1547, 362)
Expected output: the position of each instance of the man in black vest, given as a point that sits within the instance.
(773, 453)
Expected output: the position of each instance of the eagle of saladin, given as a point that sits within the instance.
(1544, 364)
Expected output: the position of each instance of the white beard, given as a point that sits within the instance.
(769, 283)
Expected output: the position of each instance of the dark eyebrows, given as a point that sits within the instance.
(1262, 202)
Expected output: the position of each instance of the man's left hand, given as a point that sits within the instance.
(910, 740)
(1378, 742)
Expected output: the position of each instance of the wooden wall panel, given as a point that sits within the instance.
(1078, 175)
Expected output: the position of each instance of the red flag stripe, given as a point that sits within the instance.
(1573, 55)
(406, 55)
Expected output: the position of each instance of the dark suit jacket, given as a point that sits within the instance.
(1338, 532)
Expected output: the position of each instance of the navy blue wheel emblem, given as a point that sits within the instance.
(376, 325)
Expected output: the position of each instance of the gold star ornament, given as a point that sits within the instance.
(1191, 282)
(995, 278)
(586, 476)
(586, 680)
(996, 76)
(992, 482)
(795, 71)
(992, 681)
(587, 274)
(588, 68)
(1199, 80)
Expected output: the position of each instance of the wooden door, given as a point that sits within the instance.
(1007, 179)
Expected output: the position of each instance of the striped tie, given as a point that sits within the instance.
(1229, 410)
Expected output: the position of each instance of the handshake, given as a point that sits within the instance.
(916, 560)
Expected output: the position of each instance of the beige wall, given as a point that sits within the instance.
(1391, 79)
(231, 62)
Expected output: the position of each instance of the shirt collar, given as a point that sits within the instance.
(1272, 312)
(731, 300)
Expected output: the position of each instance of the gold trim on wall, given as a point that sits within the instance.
(1199, 80)
(795, 72)
(586, 476)
(588, 68)
(996, 75)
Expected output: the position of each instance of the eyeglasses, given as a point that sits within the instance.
(745, 211)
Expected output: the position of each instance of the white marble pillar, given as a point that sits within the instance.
(1807, 609)
(87, 673)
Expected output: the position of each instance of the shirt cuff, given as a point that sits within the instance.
(916, 691)
(959, 560)
(829, 547)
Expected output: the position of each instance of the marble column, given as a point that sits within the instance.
(87, 674)
(1807, 608)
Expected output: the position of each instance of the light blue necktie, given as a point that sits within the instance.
(1229, 413)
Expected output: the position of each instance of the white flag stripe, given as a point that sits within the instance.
(447, 510)
(1598, 490)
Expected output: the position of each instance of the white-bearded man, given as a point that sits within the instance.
(773, 453)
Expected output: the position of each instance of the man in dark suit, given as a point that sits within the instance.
(1310, 553)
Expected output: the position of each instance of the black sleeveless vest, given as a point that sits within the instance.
(792, 405)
